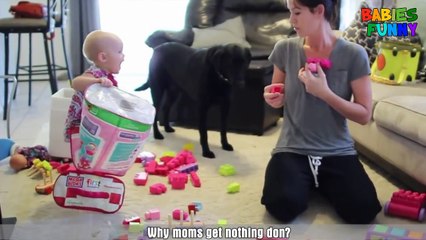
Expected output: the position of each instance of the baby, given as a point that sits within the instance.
(104, 50)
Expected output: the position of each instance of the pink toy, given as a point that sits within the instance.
(312, 64)
(275, 89)
(176, 214)
(407, 204)
(153, 214)
(178, 180)
(195, 180)
(140, 178)
(187, 168)
(145, 157)
(150, 167)
(157, 189)
(126, 221)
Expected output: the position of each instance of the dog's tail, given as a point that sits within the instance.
(145, 86)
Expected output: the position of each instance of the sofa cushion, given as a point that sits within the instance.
(404, 115)
(382, 91)
(230, 31)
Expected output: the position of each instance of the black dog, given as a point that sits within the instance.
(205, 75)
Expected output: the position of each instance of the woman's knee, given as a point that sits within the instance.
(285, 211)
(360, 212)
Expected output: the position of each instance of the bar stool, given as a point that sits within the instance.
(9, 103)
(29, 25)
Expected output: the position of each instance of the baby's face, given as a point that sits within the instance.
(115, 56)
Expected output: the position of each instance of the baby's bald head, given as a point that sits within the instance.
(98, 41)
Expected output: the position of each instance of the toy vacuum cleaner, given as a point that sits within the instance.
(114, 127)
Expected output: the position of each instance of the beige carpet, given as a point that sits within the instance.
(40, 218)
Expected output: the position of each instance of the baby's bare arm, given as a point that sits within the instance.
(82, 82)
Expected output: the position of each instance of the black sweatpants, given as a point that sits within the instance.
(342, 180)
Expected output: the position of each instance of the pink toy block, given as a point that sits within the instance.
(157, 189)
(153, 214)
(177, 213)
(195, 180)
(150, 167)
(140, 178)
(166, 159)
(161, 170)
(126, 221)
(178, 180)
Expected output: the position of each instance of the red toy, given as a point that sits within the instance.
(275, 89)
(195, 180)
(407, 204)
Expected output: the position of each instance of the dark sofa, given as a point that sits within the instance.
(265, 22)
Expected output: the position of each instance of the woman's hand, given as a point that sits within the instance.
(274, 95)
(315, 84)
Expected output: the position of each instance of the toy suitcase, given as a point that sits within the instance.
(85, 191)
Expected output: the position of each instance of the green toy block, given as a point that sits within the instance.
(222, 222)
(233, 187)
(227, 170)
(135, 227)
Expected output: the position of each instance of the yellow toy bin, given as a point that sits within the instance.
(396, 62)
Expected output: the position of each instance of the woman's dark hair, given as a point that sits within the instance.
(330, 7)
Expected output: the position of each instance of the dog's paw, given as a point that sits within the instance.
(208, 154)
(227, 147)
(158, 136)
(169, 129)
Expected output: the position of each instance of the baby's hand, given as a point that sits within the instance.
(105, 82)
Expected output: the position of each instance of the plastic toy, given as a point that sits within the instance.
(178, 214)
(222, 222)
(178, 180)
(312, 64)
(395, 233)
(157, 189)
(126, 221)
(47, 186)
(140, 178)
(198, 205)
(153, 214)
(275, 89)
(396, 62)
(227, 170)
(135, 227)
(145, 157)
(233, 187)
(407, 204)
(195, 180)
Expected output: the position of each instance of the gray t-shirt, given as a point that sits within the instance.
(312, 127)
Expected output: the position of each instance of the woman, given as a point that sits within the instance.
(315, 149)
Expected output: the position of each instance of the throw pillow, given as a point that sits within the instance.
(230, 31)
(357, 33)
